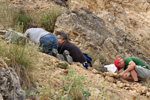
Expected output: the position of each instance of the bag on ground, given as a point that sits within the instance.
(88, 58)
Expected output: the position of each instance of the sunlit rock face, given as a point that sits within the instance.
(97, 36)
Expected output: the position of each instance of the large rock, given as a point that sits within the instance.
(9, 83)
(15, 37)
(82, 26)
(89, 33)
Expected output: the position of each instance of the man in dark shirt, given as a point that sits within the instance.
(75, 52)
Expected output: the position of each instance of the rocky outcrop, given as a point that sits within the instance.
(89, 32)
(60, 2)
(82, 26)
(9, 83)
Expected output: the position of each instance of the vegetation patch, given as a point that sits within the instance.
(63, 65)
(48, 18)
(22, 20)
(22, 59)
(19, 19)
(72, 89)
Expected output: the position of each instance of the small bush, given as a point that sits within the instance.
(19, 27)
(72, 89)
(48, 19)
(46, 93)
(29, 93)
(22, 59)
(21, 18)
(13, 17)
(63, 65)
(102, 58)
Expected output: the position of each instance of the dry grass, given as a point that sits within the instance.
(19, 19)
(22, 58)
(46, 18)
(72, 88)
(6, 14)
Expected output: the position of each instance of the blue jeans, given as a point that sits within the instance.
(48, 43)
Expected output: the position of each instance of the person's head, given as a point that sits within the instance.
(61, 36)
(119, 63)
(32, 26)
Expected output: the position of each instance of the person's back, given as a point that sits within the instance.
(136, 60)
(75, 52)
(47, 41)
(35, 34)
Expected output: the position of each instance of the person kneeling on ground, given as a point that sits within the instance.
(74, 51)
(134, 69)
(48, 41)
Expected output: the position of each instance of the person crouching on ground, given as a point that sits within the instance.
(134, 69)
(47, 40)
(74, 51)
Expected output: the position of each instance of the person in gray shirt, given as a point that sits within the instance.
(48, 41)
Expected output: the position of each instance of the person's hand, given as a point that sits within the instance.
(121, 74)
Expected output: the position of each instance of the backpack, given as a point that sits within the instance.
(88, 58)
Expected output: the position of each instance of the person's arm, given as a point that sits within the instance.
(131, 66)
(26, 34)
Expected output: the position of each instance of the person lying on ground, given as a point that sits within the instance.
(48, 41)
(134, 69)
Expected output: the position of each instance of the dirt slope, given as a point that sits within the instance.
(47, 70)
(48, 73)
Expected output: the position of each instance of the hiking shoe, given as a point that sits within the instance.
(57, 55)
(60, 57)
(67, 56)
(54, 52)
(137, 81)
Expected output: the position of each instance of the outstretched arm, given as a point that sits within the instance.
(131, 66)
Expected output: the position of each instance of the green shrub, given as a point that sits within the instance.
(13, 17)
(73, 87)
(29, 93)
(19, 27)
(63, 65)
(48, 19)
(102, 58)
(22, 59)
(21, 18)
(46, 93)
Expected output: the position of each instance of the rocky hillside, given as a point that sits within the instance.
(128, 23)
(102, 28)
(105, 29)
